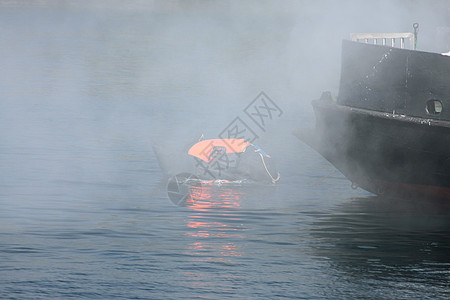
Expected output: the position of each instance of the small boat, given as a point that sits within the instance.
(215, 162)
(388, 130)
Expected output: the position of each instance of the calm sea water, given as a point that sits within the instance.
(84, 212)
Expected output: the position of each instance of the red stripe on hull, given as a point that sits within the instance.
(405, 190)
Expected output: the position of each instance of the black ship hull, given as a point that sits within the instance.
(382, 135)
(383, 153)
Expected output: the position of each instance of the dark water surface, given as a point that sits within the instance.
(84, 211)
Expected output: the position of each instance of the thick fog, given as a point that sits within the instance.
(87, 74)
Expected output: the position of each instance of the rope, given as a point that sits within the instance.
(274, 180)
(323, 178)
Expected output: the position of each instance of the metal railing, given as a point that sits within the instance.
(386, 39)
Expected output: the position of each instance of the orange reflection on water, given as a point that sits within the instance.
(214, 223)
(206, 197)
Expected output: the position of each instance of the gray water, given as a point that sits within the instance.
(86, 89)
